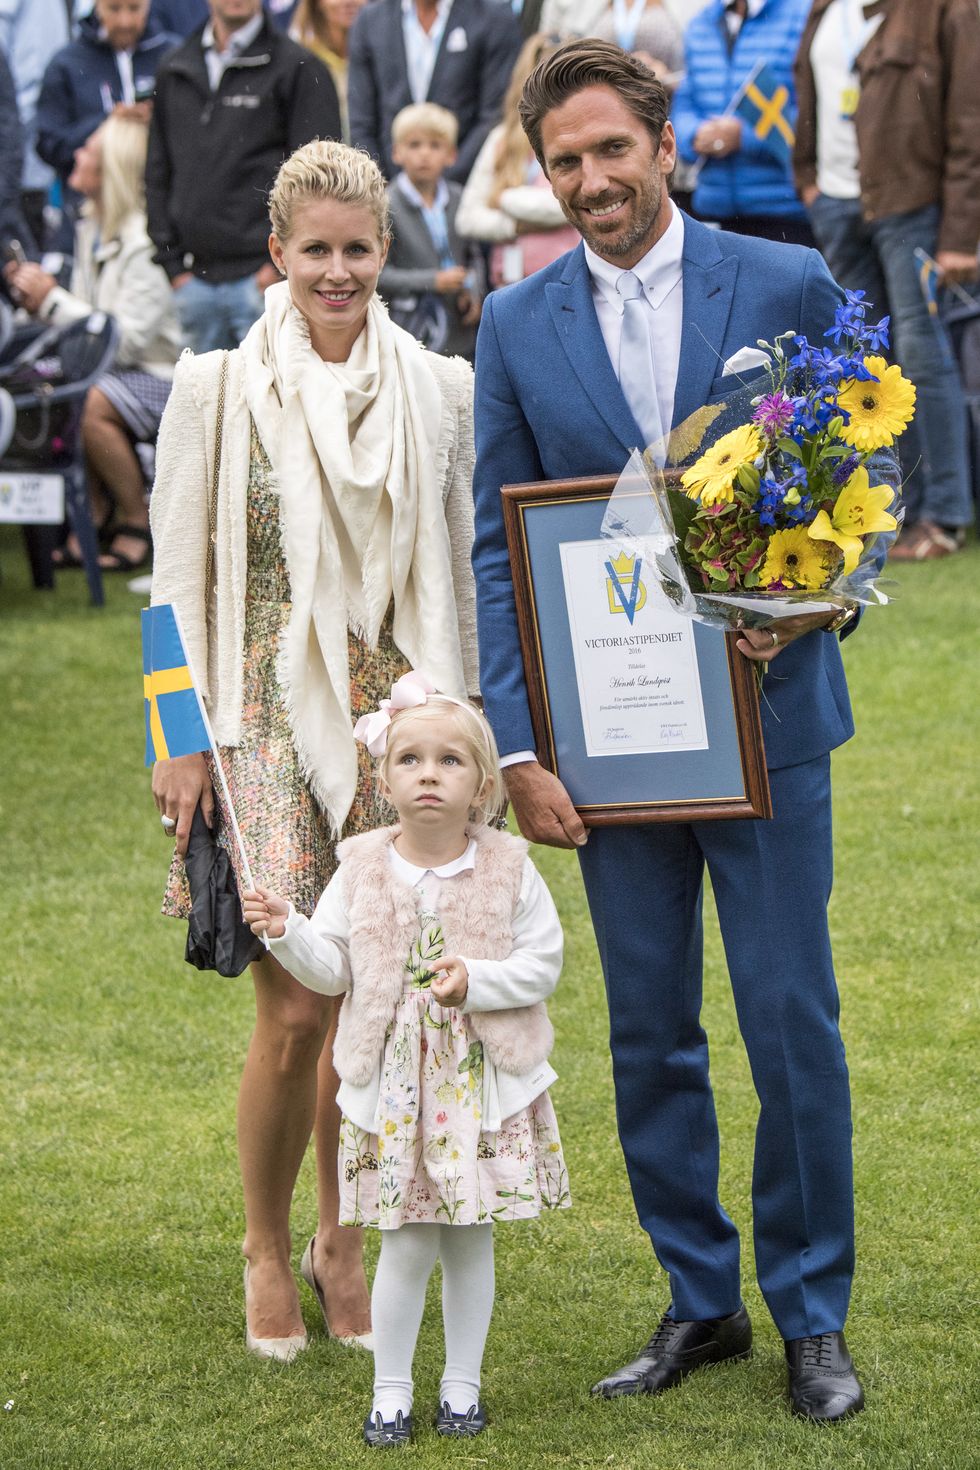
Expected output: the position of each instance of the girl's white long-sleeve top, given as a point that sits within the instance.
(317, 952)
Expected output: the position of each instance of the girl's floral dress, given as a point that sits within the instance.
(431, 1159)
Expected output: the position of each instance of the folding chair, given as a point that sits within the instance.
(47, 372)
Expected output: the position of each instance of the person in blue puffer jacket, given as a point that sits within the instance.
(110, 67)
(742, 184)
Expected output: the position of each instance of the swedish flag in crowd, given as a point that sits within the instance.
(764, 104)
(175, 723)
(928, 279)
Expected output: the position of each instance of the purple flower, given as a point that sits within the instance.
(774, 414)
(845, 470)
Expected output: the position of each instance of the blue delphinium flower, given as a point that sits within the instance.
(797, 515)
(876, 337)
(769, 501)
(813, 413)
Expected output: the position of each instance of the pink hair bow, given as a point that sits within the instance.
(411, 690)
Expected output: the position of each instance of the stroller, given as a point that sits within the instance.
(45, 373)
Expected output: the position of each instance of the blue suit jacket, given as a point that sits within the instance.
(549, 406)
(470, 80)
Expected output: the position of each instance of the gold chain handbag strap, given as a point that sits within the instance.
(215, 474)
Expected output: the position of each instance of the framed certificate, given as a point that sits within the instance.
(644, 715)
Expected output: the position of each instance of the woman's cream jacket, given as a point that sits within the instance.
(179, 520)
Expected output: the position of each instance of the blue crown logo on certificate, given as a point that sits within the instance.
(625, 591)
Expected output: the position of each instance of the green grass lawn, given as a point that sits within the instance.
(121, 1312)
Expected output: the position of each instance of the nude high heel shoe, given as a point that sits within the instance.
(352, 1339)
(279, 1349)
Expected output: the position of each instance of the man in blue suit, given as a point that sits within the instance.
(556, 398)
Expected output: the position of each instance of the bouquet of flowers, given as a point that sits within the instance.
(780, 514)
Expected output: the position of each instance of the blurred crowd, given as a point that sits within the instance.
(140, 139)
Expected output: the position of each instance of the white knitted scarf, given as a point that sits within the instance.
(353, 448)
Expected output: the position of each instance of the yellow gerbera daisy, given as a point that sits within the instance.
(879, 411)
(713, 477)
(793, 559)
(860, 511)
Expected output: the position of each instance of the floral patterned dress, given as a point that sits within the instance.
(431, 1159)
(286, 835)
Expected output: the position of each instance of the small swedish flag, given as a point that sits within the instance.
(175, 723)
(929, 273)
(764, 104)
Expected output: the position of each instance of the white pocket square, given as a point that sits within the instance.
(744, 360)
(456, 40)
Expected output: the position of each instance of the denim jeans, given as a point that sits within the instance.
(215, 315)
(878, 258)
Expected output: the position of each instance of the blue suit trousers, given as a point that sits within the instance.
(771, 881)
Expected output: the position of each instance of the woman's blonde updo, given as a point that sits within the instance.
(324, 169)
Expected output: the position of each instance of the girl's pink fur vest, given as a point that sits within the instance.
(476, 909)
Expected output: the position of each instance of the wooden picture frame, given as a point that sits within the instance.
(723, 776)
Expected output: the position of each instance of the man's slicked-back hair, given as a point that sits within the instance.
(591, 63)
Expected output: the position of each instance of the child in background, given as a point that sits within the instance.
(432, 280)
(446, 941)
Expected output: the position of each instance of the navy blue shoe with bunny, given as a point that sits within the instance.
(380, 1433)
(461, 1426)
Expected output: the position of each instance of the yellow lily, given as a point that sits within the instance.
(860, 511)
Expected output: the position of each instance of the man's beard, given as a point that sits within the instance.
(613, 246)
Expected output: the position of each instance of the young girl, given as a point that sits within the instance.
(446, 941)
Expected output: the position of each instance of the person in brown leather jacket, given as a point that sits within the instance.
(887, 159)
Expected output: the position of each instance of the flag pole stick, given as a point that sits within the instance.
(957, 290)
(219, 768)
(729, 111)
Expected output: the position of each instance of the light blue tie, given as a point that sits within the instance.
(636, 359)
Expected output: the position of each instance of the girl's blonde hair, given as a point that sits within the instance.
(514, 152)
(474, 734)
(325, 169)
(428, 118)
(122, 145)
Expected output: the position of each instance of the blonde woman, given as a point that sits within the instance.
(323, 27)
(507, 201)
(344, 523)
(114, 272)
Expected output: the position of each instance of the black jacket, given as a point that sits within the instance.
(12, 221)
(81, 86)
(213, 156)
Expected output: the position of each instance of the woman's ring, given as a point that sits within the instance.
(169, 825)
(775, 637)
(718, 144)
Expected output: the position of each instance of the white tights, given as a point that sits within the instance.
(408, 1255)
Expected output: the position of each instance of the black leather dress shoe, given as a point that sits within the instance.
(461, 1426)
(676, 1349)
(822, 1382)
(380, 1433)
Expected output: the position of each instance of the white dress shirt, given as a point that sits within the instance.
(217, 61)
(661, 273)
(127, 82)
(421, 46)
(317, 952)
(841, 36)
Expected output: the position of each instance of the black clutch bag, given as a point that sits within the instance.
(217, 936)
